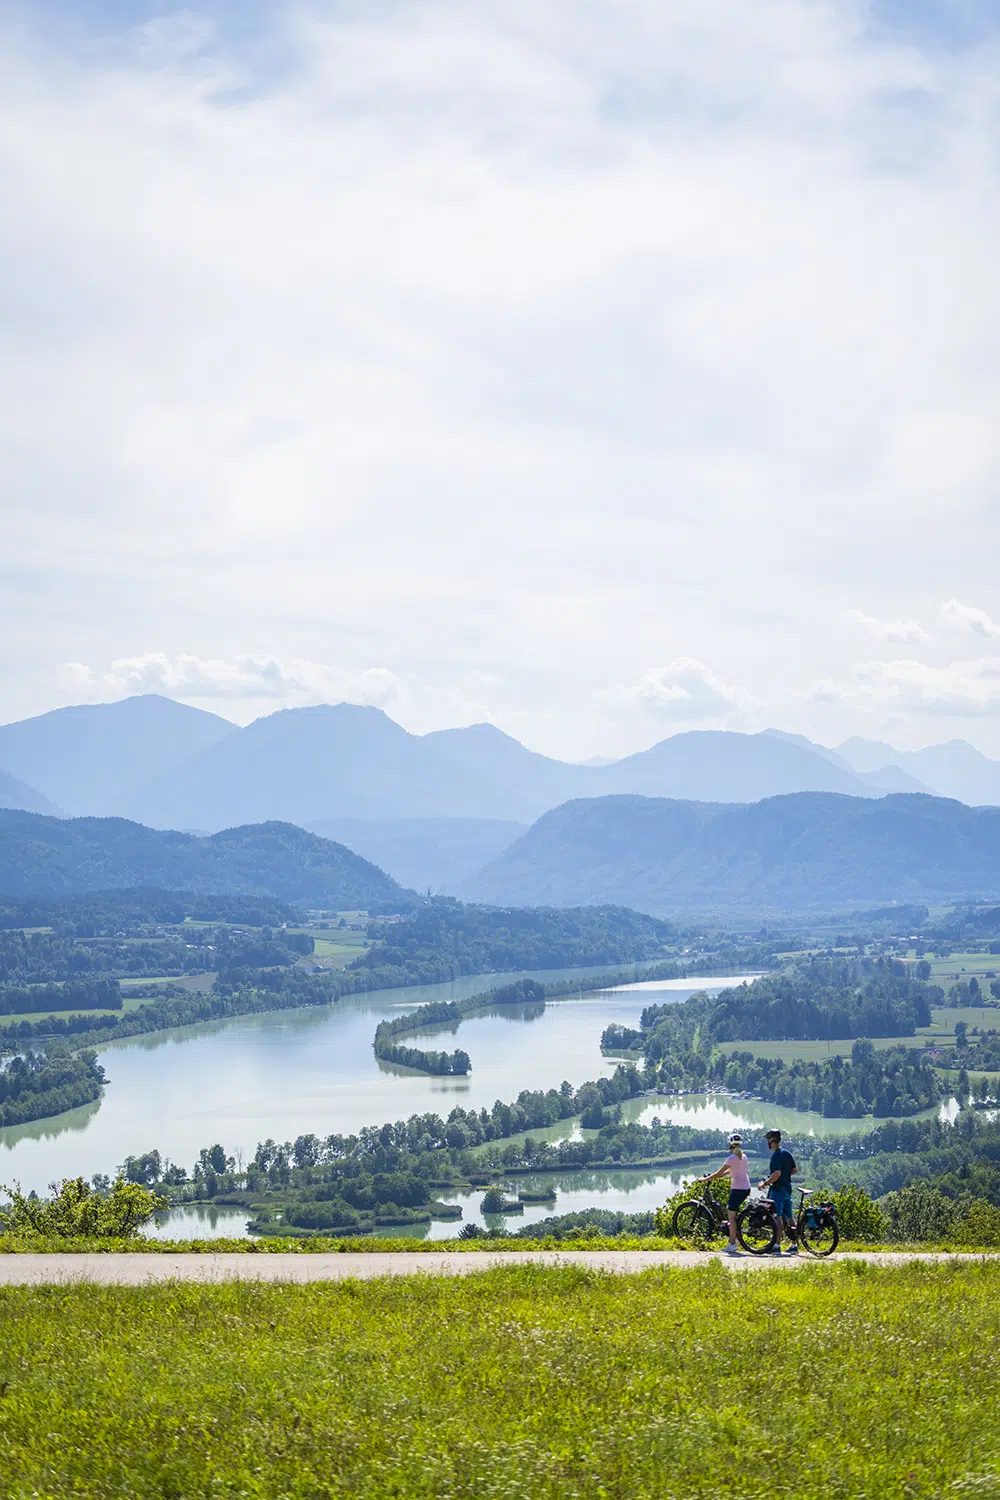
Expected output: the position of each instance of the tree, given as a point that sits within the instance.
(213, 1159)
(146, 1170)
(76, 1211)
(306, 1151)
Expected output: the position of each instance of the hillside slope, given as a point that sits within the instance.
(17, 793)
(436, 854)
(53, 856)
(806, 850)
(88, 759)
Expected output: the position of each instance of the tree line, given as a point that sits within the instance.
(447, 1013)
(35, 1085)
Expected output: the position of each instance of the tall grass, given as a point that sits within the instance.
(546, 1384)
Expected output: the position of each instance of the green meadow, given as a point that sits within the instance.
(941, 1031)
(526, 1383)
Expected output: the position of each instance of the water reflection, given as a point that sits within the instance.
(285, 1073)
(721, 1112)
(199, 1221)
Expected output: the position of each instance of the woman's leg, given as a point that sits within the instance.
(732, 1226)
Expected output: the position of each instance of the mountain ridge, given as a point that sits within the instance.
(86, 758)
(165, 764)
(45, 856)
(800, 851)
(18, 795)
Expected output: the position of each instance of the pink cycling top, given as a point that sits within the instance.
(739, 1176)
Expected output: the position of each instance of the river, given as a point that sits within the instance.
(288, 1073)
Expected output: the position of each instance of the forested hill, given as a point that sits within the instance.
(808, 850)
(444, 939)
(42, 856)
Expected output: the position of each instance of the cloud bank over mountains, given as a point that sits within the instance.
(583, 368)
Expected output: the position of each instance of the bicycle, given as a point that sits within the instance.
(816, 1228)
(703, 1218)
(700, 1218)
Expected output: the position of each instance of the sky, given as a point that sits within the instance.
(603, 370)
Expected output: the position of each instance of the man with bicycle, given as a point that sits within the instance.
(779, 1182)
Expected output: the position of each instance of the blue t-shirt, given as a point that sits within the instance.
(783, 1161)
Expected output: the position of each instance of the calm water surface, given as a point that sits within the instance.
(286, 1073)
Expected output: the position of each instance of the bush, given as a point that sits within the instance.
(858, 1216)
(78, 1211)
(978, 1224)
(918, 1212)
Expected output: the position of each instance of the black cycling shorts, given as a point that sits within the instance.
(737, 1196)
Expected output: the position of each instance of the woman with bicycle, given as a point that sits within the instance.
(735, 1168)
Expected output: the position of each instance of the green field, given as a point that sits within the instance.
(526, 1383)
(130, 1001)
(961, 965)
(941, 1031)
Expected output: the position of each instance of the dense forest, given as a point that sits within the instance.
(444, 939)
(818, 998)
(41, 1084)
(802, 852)
(141, 911)
(45, 958)
(97, 993)
(46, 857)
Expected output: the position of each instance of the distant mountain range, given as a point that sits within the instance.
(436, 854)
(43, 856)
(430, 808)
(15, 793)
(798, 852)
(92, 759)
(806, 850)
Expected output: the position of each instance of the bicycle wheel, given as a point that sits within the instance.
(692, 1221)
(756, 1230)
(819, 1239)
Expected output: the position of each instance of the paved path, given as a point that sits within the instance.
(137, 1269)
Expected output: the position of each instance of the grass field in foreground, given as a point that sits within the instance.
(525, 1383)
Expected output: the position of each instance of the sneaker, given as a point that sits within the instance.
(775, 1251)
(792, 1250)
(732, 1250)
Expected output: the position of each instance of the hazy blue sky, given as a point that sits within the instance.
(600, 369)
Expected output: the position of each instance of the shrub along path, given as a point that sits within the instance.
(134, 1268)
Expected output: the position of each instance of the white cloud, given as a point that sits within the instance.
(500, 341)
(966, 617)
(888, 630)
(245, 678)
(960, 689)
(688, 691)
